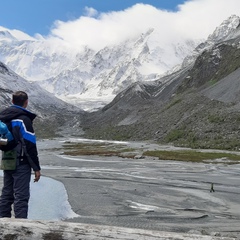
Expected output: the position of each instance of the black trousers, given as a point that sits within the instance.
(16, 191)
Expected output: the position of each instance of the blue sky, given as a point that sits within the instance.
(100, 23)
(38, 16)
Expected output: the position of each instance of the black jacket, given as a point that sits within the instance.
(22, 128)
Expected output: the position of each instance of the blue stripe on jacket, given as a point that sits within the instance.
(25, 134)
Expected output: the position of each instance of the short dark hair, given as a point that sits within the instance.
(19, 98)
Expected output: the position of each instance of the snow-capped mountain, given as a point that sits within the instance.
(11, 82)
(227, 30)
(86, 74)
(54, 116)
(230, 28)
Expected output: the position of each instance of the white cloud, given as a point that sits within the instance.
(194, 19)
(90, 12)
(199, 18)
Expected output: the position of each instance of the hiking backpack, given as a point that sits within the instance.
(7, 141)
(8, 144)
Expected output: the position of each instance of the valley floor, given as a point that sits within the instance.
(146, 193)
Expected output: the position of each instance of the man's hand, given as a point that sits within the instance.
(37, 176)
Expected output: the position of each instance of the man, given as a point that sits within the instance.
(16, 183)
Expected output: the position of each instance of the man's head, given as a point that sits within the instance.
(20, 98)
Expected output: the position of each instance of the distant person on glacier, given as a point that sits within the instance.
(16, 182)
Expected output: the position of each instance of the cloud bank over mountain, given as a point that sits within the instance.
(194, 19)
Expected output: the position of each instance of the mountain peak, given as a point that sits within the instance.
(226, 30)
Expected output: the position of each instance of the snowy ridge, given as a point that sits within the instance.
(11, 82)
(83, 76)
(229, 29)
(6, 35)
(111, 70)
